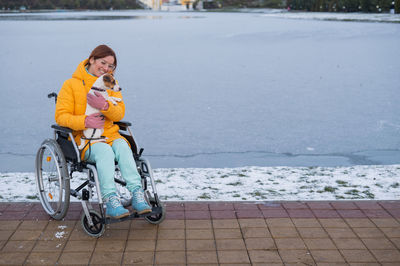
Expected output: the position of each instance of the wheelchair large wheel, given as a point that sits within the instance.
(52, 179)
(95, 230)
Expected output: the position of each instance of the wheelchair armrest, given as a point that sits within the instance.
(62, 129)
(123, 123)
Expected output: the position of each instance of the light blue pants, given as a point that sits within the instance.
(104, 156)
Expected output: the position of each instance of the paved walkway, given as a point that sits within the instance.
(211, 233)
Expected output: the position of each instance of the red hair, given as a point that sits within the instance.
(102, 51)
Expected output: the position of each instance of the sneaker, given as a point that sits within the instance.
(138, 202)
(114, 208)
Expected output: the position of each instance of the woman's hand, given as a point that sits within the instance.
(94, 120)
(97, 101)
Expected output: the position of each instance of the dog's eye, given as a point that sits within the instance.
(107, 78)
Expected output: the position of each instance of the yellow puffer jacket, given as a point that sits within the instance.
(71, 106)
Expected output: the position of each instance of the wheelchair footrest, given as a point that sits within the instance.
(134, 215)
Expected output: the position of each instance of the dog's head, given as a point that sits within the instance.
(110, 83)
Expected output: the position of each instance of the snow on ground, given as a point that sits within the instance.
(363, 17)
(380, 182)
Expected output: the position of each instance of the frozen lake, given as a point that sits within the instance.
(214, 89)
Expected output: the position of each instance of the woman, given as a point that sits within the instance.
(70, 112)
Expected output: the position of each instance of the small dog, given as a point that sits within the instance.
(101, 85)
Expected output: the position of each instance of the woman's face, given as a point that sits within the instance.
(101, 66)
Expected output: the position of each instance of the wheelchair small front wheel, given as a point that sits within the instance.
(52, 179)
(159, 217)
(97, 228)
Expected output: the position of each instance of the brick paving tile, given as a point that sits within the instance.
(18, 246)
(344, 205)
(260, 256)
(106, 258)
(319, 243)
(42, 258)
(270, 206)
(368, 232)
(228, 223)
(164, 245)
(13, 258)
(326, 213)
(387, 255)
(191, 206)
(312, 232)
(79, 246)
(279, 222)
(223, 214)
(140, 245)
(138, 258)
(303, 257)
(391, 231)
(171, 234)
(275, 213)
(251, 232)
(290, 243)
(249, 214)
(377, 213)
(351, 214)
(390, 204)
(260, 243)
(200, 215)
(49, 246)
(230, 244)
(319, 205)
(199, 234)
(355, 255)
(359, 222)
(394, 212)
(340, 232)
(170, 257)
(307, 222)
(349, 243)
(142, 234)
(9, 225)
(198, 224)
(236, 256)
(385, 222)
(174, 206)
(333, 223)
(227, 233)
(26, 235)
(378, 243)
(257, 222)
(33, 225)
(396, 242)
(172, 224)
(110, 245)
(300, 213)
(368, 205)
(284, 232)
(204, 257)
(295, 205)
(327, 256)
(176, 215)
(200, 244)
(75, 258)
(245, 206)
(221, 206)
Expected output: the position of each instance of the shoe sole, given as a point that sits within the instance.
(119, 217)
(145, 211)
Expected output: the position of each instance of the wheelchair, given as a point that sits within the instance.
(56, 161)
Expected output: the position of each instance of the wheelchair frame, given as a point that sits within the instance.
(62, 156)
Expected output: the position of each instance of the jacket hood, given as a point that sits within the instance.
(81, 74)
